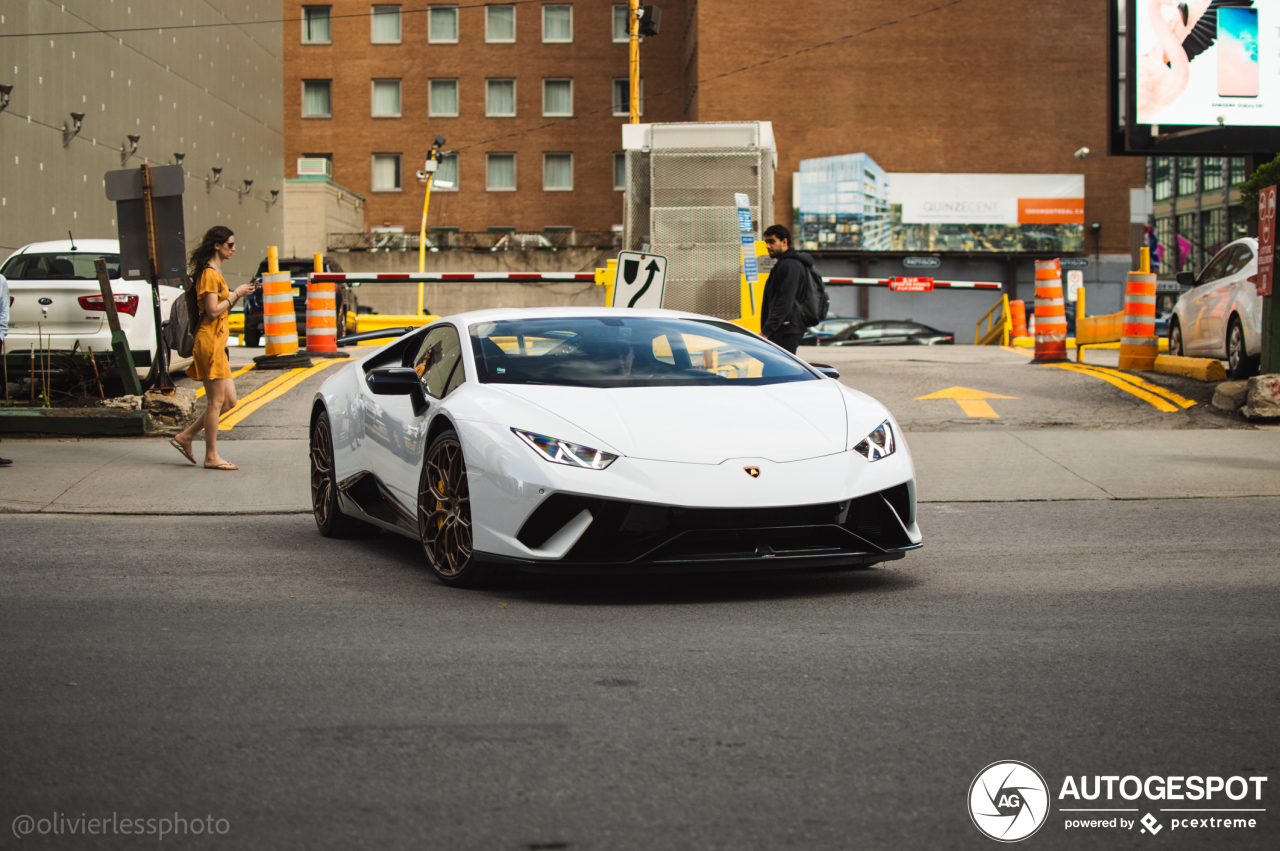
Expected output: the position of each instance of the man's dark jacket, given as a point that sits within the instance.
(786, 281)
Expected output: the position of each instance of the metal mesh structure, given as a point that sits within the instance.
(680, 203)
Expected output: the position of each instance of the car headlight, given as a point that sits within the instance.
(879, 444)
(563, 452)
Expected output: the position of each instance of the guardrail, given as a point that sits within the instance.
(998, 322)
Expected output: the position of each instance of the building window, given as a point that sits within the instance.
(317, 100)
(622, 96)
(1238, 223)
(1186, 177)
(386, 172)
(557, 172)
(500, 173)
(1211, 169)
(1186, 242)
(557, 97)
(500, 24)
(315, 25)
(1213, 228)
(386, 25)
(621, 30)
(1164, 245)
(386, 98)
(1161, 184)
(557, 23)
(446, 173)
(620, 171)
(442, 25)
(443, 98)
(500, 98)
(1237, 171)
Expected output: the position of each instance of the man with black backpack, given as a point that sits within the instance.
(794, 297)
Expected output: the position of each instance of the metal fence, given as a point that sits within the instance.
(556, 240)
(681, 205)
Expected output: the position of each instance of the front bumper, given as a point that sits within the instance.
(626, 537)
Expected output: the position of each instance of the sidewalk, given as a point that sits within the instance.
(148, 476)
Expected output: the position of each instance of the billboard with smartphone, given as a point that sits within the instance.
(1203, 76)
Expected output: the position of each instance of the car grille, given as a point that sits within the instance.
(623, 532)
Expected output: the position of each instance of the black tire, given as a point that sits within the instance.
(1175, 339)
(330, 520)
(252, 334)
(1238, 363)
(342, 322)
(444, 516)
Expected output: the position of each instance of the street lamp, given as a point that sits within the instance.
(69, 131)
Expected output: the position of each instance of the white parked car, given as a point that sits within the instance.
(56, 300)
(608, 440)
(1221, 315)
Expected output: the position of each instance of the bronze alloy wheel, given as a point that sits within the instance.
(323, 503)
(444, 510)
(330, 520)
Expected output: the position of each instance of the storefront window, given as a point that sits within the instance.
(1237, 170)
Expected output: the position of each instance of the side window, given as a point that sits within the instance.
(1216, 267)
(439, 361)
(870, 331)
(1240, 258)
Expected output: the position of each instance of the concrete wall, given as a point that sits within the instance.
(460, 296)
(315, 207)
(213, 94)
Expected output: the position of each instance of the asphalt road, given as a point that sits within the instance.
(1039, 396)
(320, 694)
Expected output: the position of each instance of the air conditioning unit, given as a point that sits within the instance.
(315, 165)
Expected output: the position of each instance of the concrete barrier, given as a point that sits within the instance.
(1201, 369)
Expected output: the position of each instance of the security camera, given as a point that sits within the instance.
(1082, 153)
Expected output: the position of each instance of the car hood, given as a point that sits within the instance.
(704, 425)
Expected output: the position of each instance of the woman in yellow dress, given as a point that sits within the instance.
(214, 301)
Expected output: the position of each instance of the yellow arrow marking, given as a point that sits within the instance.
(971, 401)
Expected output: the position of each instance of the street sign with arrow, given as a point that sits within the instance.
(640, 280)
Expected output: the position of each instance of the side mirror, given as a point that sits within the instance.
(828, 371)
(1187, 279)
(398, 381)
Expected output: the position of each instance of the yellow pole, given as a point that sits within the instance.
(273, 260)
(1146, 261)
(635, 60)
(318, 262)
(422, 236)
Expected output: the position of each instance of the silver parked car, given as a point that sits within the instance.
(1221, 315)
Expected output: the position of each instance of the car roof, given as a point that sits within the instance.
(97, 246)
(513, 313)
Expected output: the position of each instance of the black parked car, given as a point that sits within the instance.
(890, 332)
(298, 268)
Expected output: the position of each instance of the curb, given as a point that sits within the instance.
(81, 421)
(1201, 369)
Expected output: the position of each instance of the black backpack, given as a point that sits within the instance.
(184, 318)
(813, 299)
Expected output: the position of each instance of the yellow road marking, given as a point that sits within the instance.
(970, 401)
(236, 374)
(272, 390)
(1158, 402)
(1180, 401)
(1015, 350)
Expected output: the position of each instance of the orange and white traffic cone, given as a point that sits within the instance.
(1051, 316)
(1018, 318)
(1138, 344)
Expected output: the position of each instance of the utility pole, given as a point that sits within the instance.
(428, 172)
(633, 21)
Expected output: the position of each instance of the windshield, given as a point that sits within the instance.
(627, 352)
(69, 266)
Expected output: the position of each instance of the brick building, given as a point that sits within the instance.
(528, 94)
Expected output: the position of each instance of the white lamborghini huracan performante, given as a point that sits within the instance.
(608, 440)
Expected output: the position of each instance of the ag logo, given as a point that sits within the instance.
(1008, 801)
